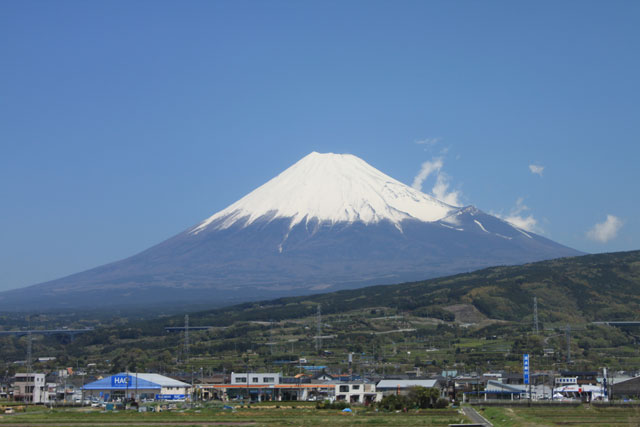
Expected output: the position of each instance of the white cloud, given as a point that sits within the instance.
(517, 217)
(527, 223)
(536, 169)
(426, 169)
(605, 231)
(440, 189)
(428, 141)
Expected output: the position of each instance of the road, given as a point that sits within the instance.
(475, 417)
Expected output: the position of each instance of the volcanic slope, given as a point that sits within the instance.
(329, 222)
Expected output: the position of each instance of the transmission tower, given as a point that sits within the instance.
(271, 335)
(185, 350)
(29, 351)
(29, 344)
(567, 335)
(318, 330)
(535, 315)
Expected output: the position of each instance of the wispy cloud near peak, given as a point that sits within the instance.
(440, 189)
(521, 220)
(427, 168)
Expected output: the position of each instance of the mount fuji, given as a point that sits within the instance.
(329, 222)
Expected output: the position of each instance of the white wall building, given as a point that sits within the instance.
(357, 393)
(255, 379)
(30, 387)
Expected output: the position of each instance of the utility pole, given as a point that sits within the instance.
(29, 343)
(271, 335)
(318, 330)
(567, 335)
(83, 374)
(535, 315)
(186, 338)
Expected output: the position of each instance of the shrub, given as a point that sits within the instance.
(441, 403)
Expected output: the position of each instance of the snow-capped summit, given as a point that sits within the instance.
(331, 188)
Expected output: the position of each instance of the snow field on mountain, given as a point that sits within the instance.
(331, 188)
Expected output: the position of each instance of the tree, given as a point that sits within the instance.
(394, 402)
(423, 397)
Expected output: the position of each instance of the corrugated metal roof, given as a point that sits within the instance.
(498, 386)
(162, 380)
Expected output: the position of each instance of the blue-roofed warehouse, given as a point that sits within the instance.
(129, 385)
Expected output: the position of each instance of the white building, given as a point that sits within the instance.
(255, 379)
(584, 392)
(136, 386)
(357, 393)
(562, 381)
(30, 387)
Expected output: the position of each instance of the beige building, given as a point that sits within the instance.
(362, 393)
(30, 387)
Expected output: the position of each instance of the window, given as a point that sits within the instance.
(255, 379)
(241, 379)
(356, 386)
(344, 389)
(269, 380)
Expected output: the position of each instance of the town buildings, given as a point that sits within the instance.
(61, 387)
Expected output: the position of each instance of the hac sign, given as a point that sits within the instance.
(121, 381)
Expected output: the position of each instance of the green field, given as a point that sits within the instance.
(291, 414)
(555, 416)
(264, 415)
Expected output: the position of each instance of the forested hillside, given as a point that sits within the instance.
(484, 318)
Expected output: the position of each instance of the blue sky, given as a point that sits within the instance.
(123, 123)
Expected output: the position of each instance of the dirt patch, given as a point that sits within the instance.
(466, 313)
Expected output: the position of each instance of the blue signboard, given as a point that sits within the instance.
(123, 381)
(525, 368)
(170, 396)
